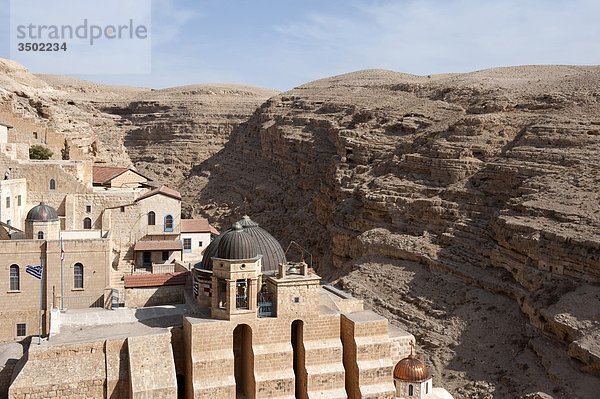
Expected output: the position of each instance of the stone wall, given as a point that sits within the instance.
(124, 368)
(151, 367)
(76, 371)
(211, 364)
(77, 204)
(117, 369)
(154, 296)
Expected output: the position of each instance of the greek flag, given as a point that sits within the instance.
(35, 271)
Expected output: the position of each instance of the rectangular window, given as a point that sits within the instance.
(168, 223)
(8, 202)
(241, 295)
(165, 255)
(78, 276)
(200, 243)
(88, 208)
(187, 244)
(21, 329)
(14, 278)
(147, 258)
(222, 294)
(18, 200)
(122, 209)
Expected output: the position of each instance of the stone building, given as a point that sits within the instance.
(196, 236)
(279, 333)
(85, 265)
(112, 221)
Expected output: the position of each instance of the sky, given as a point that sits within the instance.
(280, 44)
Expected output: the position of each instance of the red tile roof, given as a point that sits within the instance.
(158, 246)
(155, 280)
(164, 190)
(104, 174)
(197, 226)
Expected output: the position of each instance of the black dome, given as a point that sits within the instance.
(267, 246)
(237, 244)
(42, 213)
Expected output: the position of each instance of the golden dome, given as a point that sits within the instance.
(411, 369)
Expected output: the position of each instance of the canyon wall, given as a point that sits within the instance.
(490, 177)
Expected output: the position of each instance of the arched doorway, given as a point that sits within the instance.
(245, 385)
(299, 359)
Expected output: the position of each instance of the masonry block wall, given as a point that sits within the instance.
(154, 296)
(77, 372)
(211, 367)
(151, 367)
(118, 385)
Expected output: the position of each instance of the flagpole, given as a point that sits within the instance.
(41, 302)
(62, 276)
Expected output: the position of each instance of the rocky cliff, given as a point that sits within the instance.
(465, 207)
(160, 132)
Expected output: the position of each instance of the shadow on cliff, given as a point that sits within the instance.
(261, 174)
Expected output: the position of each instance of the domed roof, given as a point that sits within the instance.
(237, 244)
(411, 369)
(42, 213)
(267, 246)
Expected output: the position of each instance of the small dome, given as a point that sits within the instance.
(270, 249)
(237, 244)
(42, 213)
(411, 369)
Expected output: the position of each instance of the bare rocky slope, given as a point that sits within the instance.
(464, 207)
(160, 132)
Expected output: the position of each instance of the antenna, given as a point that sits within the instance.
(302, 251)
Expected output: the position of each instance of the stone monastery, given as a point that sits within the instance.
(108, 293)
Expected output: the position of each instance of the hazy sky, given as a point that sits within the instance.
(283, 43)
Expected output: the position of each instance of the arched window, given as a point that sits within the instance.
(168, 223)
(78, 276)
(87, 224)
(40, 235)
(151, 218)
(52, 184)
(411, 390)
(15, 278)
